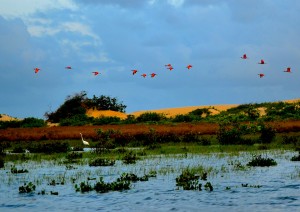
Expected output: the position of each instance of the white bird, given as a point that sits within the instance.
(83, 141)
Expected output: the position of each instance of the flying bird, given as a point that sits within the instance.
(134, 71)
(262, 62)
(244, 56)
(261, 75)
(83, 141)
(153, 75)
(170, 67)
(36, 70)
(189, 66)
(144, 75)
(288, 70)
(68, 67)
(95, 73)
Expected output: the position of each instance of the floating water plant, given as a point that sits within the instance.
(27, 188)
(73, 156)
(208, 186)
(260, 161)
(188, 180)
(102, 162)
(251, 186)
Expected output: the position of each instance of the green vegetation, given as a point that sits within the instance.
(25, 123)
(27, 188)
(260, 161)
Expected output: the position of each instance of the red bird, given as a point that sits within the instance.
(244, 56)
(262, 62)
(134, 71)
(153, 75)
(288, 70)
(261, 75)
(189, 66)
(170, 67)
(68, 67)
(95, 73)
(144, 75)
(36, 70)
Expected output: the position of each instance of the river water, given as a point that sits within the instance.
(275, 188)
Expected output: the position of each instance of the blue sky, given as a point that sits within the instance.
(115, 36)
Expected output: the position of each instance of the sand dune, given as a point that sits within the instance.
(168, 112)
(4, 117)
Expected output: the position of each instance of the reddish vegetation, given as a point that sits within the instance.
(89, 132)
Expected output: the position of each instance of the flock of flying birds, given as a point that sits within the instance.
(170, 67)
(262, 62)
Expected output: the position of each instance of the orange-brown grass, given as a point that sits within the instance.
(72, 133)
(89, 132)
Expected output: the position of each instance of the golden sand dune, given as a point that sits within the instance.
(171, 112)
(107, 113)
(4, 117)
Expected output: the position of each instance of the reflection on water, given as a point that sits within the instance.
(265, 188)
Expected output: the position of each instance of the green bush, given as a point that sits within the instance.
(76, 120)
(150, 117)
(106, 120)
(33, 122)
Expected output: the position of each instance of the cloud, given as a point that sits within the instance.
(25, 8)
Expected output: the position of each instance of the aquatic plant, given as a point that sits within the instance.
(208, 186)
(14, 170)
(27, 188)
(130, 158)
(1, 162)
(102, 162)
(296, 157)
(73, 156)
(251, 186)
(188, 181)
(83, 187)
(260, 161)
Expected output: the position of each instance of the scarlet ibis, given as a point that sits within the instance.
(95, 73)
(134, 71)
(261, 75)
(68, 67)
(288, 70)
(189, 66)
(153, 75)
(144, 75)
(170, 67)
(36, 70)
(262, 62)
(244, 56)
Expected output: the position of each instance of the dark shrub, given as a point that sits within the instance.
(49, 147)
(1, 162)
(267, 134)
(150, 117)
(33, 122)
(183, 118)
(106, 120)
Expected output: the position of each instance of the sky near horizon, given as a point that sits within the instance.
(114, 37)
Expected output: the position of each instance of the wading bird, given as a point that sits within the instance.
(68, 67)
(153, 75)
(261, 75)
(189, 66)
(244, 56)
(36, 70)
(288, 70)
(134, 71)
(83, 141)
(262, 62)
(95, 73)
(144, 75)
